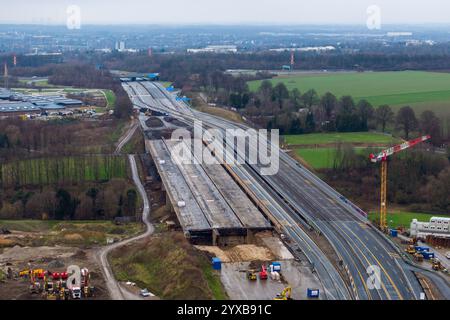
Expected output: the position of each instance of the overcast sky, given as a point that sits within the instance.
(225, 11)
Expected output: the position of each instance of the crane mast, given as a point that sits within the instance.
(382, 157)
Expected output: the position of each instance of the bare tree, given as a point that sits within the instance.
(406, 120)
(384, 115)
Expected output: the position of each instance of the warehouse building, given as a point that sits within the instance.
(18, 108)
(16, 103)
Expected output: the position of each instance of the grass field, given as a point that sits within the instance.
(392, 88)
(321, 158)
(401, 218)
(350, 137)
(317, 158)
(322, 155)
(110, 98)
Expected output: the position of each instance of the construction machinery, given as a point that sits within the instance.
(285, 294)
(418, 257)
(437, 265)
(383, 158)
(35, 286)
(251, 275)
(76, 293)
(263, 273)
(411, 249)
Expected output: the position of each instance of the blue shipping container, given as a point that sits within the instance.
(313, 293)
(217, 263)
(427, 255)
(276, 266)
(421, 249)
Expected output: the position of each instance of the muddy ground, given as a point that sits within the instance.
(55, 259)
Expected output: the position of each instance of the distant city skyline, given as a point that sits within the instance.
(282, 12)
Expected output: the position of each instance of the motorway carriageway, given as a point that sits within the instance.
(358, 243)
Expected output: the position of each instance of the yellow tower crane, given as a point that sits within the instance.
(383, 157)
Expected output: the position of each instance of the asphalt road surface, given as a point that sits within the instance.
(375, 266)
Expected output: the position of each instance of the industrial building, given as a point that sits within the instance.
(438, 227)
(215, 49)
(18, 108)
(15, 103)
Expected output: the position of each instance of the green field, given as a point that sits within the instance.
(321, 158)
(392, 88)
(110, 98)
(401, 218)
(348, 137)
(317, 158)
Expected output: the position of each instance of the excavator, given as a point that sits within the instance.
(285, 294)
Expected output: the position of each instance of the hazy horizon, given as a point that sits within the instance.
(231, 12)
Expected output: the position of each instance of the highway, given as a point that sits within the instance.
(298, 199)
(336, 288)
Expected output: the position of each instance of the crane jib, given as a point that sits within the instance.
(382, 156)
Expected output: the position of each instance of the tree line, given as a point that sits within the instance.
(293, 112)
(417, 178)
(93, 201)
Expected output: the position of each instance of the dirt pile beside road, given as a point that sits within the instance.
(240, 253)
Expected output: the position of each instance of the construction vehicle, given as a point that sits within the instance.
(76, 293)
(263, 273)
(49, 287)
(62, 294)
(24, 273)
(437, 265)
(383, 158)
(285, 294)
(410, 249)
(88, 291)
(35, 286)
(418, 257)
(251, 275)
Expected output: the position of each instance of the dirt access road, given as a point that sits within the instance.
(115, 290)
(127, 136)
